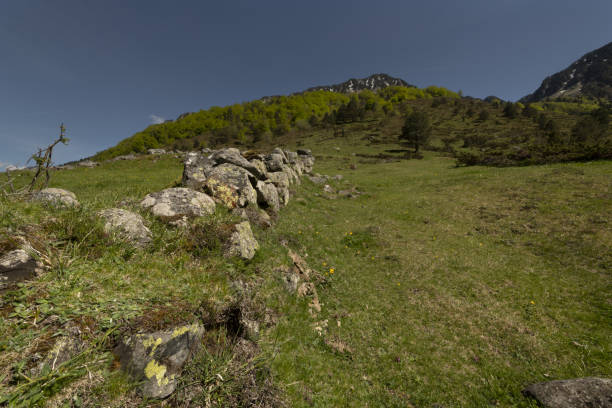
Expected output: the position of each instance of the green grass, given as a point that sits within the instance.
(451, 286)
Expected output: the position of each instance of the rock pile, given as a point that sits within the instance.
(237, 180)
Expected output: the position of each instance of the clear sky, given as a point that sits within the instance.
(109, 68)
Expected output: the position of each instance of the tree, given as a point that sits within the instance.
(416, 129)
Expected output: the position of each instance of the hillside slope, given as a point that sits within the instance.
(437, 285)
(590, 76)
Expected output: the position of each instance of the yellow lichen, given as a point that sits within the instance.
(153, 369)
(151, 342)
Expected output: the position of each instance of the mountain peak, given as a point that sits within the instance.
(374, 82)
(590, 76)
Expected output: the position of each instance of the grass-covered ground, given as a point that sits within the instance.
(443, 285)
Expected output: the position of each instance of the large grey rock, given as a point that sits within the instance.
(177, 204)
(126, 225)
(293, 176)
(57, 197)
(233, 156)
(280, 152)
(88, 163)
(267, 195)
(589, 392)
(307, 159)
(242, 243)
(156, 151)
(231, 185)
(283, 195)
(274, 162)
(18, 265)
(196, 170)
(156, 359)
(260, 166)
(279, 179)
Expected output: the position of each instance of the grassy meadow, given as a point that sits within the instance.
(442, 286)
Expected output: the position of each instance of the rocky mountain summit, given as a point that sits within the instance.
(373, 83)
(589, 76)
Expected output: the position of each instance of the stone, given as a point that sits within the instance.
(88, 163)
(304, 152)
(196, 170)
(267, 195)
(328, 189)
(63, 350)
(279, 179)
(293, 176)
(317, 179)
(156, 151)
(307, 162)
(274, 162)
(177, 204)
(157, 359)
(338, 177)
(126, 225)
(125, 157)
(242, 243)
(18, 265)
(261, 167)
(283, 195)
(57, 197)
(589, 392)
(280, 152)
(231, 185)
(233, 156)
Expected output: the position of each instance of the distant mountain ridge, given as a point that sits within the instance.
(374, 82)
(590, 76)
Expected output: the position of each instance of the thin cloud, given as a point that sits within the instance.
(156, 120)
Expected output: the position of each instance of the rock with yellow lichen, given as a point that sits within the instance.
(156, 359)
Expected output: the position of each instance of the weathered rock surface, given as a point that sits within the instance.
(88, 163)
(233, 179)
(317, 179)
(267, 195)
(57, 197)
(156, 151)
(177, 204)
(233, 156)
(157, 358)
(242, 243)
(589, 392)
(126, 225)
(196, 171)
(231, 185)
(18, 265)
(274, 162)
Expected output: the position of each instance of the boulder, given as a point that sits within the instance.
(125, 157)
(157, 359)
(88, 163)
(274, 162)
(57, 197)
(281, 152)
(293, 176)
(18, 265)
(589, 392)
(156, 151)
(196, 170)
(231, 185)
(283, 195)
(63, 350)
(126, 225)
(242, 243)
(267, 195)
(260, 166)
(307, 159)
(279, 179)
(233, 156)
(317, 179)
(175, 205)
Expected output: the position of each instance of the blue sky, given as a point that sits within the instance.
(109, 68)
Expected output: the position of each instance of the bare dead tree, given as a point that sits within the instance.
(43, 161)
